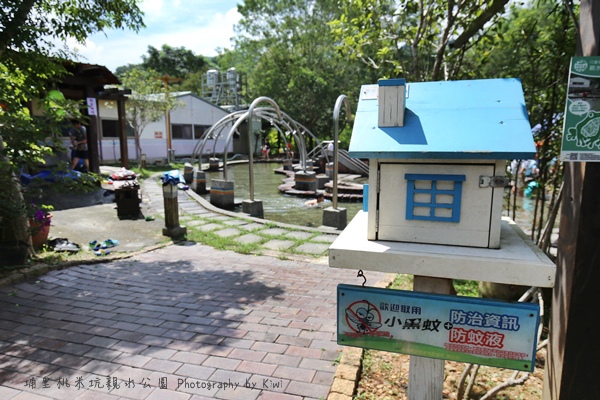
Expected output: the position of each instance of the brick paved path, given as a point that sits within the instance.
(187, 317)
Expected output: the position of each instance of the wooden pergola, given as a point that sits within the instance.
(87, 81)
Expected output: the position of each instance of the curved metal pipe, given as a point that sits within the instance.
(336, 117)
(202, 141)
(251, 152)
(228, 140)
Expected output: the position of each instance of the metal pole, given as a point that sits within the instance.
(336, 118)
(165, 79)
(250, 150)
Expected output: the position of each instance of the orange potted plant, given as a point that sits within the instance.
(39, 223)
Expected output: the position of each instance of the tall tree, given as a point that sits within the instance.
(289, 55)
(176, 62)
(535, 44)
(29, 63)
(150, 100)
(419, 40)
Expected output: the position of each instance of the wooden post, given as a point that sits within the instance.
(172, 228)
(426, 375)
(123, 132)
(572, 363)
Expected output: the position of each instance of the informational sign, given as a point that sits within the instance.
(158, 135)
(581, 132)
(465, 329)
(92, 106)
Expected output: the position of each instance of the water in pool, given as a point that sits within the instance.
(277, 206)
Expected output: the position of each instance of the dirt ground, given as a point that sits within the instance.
(385, 377)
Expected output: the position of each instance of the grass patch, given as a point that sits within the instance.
(402, 282)
(222, 243)
(466, 288)
(463, 287)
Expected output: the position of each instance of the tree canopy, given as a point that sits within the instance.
(31, 61)
(150, 100)
(420, 41)
(174, 62)
(289, 54)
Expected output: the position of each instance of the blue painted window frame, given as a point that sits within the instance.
(456, 193)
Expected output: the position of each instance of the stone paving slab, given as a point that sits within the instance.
(218, 217)
(195, 222)
(273, 231)
(324, 238)
(249, 238)
(312, 248)
(197, 211)
(252, 226)
(209, 227)
(299, 235)
(227, 232)
(212, 215)
(172, 318)
(235, 222)
(277, 244)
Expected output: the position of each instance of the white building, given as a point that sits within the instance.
(188, 124)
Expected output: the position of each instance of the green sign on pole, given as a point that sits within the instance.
(581, 132)
(466, 329)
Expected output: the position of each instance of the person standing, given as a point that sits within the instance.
(79, 140)
(268, 146)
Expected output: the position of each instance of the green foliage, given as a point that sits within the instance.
(534, 44)
(466, 288)
(30, 66)
(463, 287)
(288, 52)
(221, 243)
(27, 25)
(412, 39)
(149, 102)
(176, 62)
(403, 282)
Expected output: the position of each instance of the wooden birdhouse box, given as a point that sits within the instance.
(437, 156)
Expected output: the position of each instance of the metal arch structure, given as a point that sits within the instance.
(342, 99)
(284, 125)
(251, 152)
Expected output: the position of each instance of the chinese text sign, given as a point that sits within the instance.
(465, 329)
(581, 132)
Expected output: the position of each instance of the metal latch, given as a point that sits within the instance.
(493, 181)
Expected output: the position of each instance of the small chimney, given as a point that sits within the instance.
(392, 95)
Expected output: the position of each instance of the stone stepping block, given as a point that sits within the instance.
(235, 222)
(324, 238)
(252, 226)
(227, 232)
(299, 235)
(313, 248)
(209, 227)
(273, 232)
(218, 217)
(249, 238)
(276, 244)
(214, 216)
(197, 211)
(195, 222)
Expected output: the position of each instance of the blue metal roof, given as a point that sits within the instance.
(476, 119)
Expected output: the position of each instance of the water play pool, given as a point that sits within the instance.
(277, 206)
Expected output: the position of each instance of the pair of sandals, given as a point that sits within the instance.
(101, 248)
(63, 244)
(95, 245)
